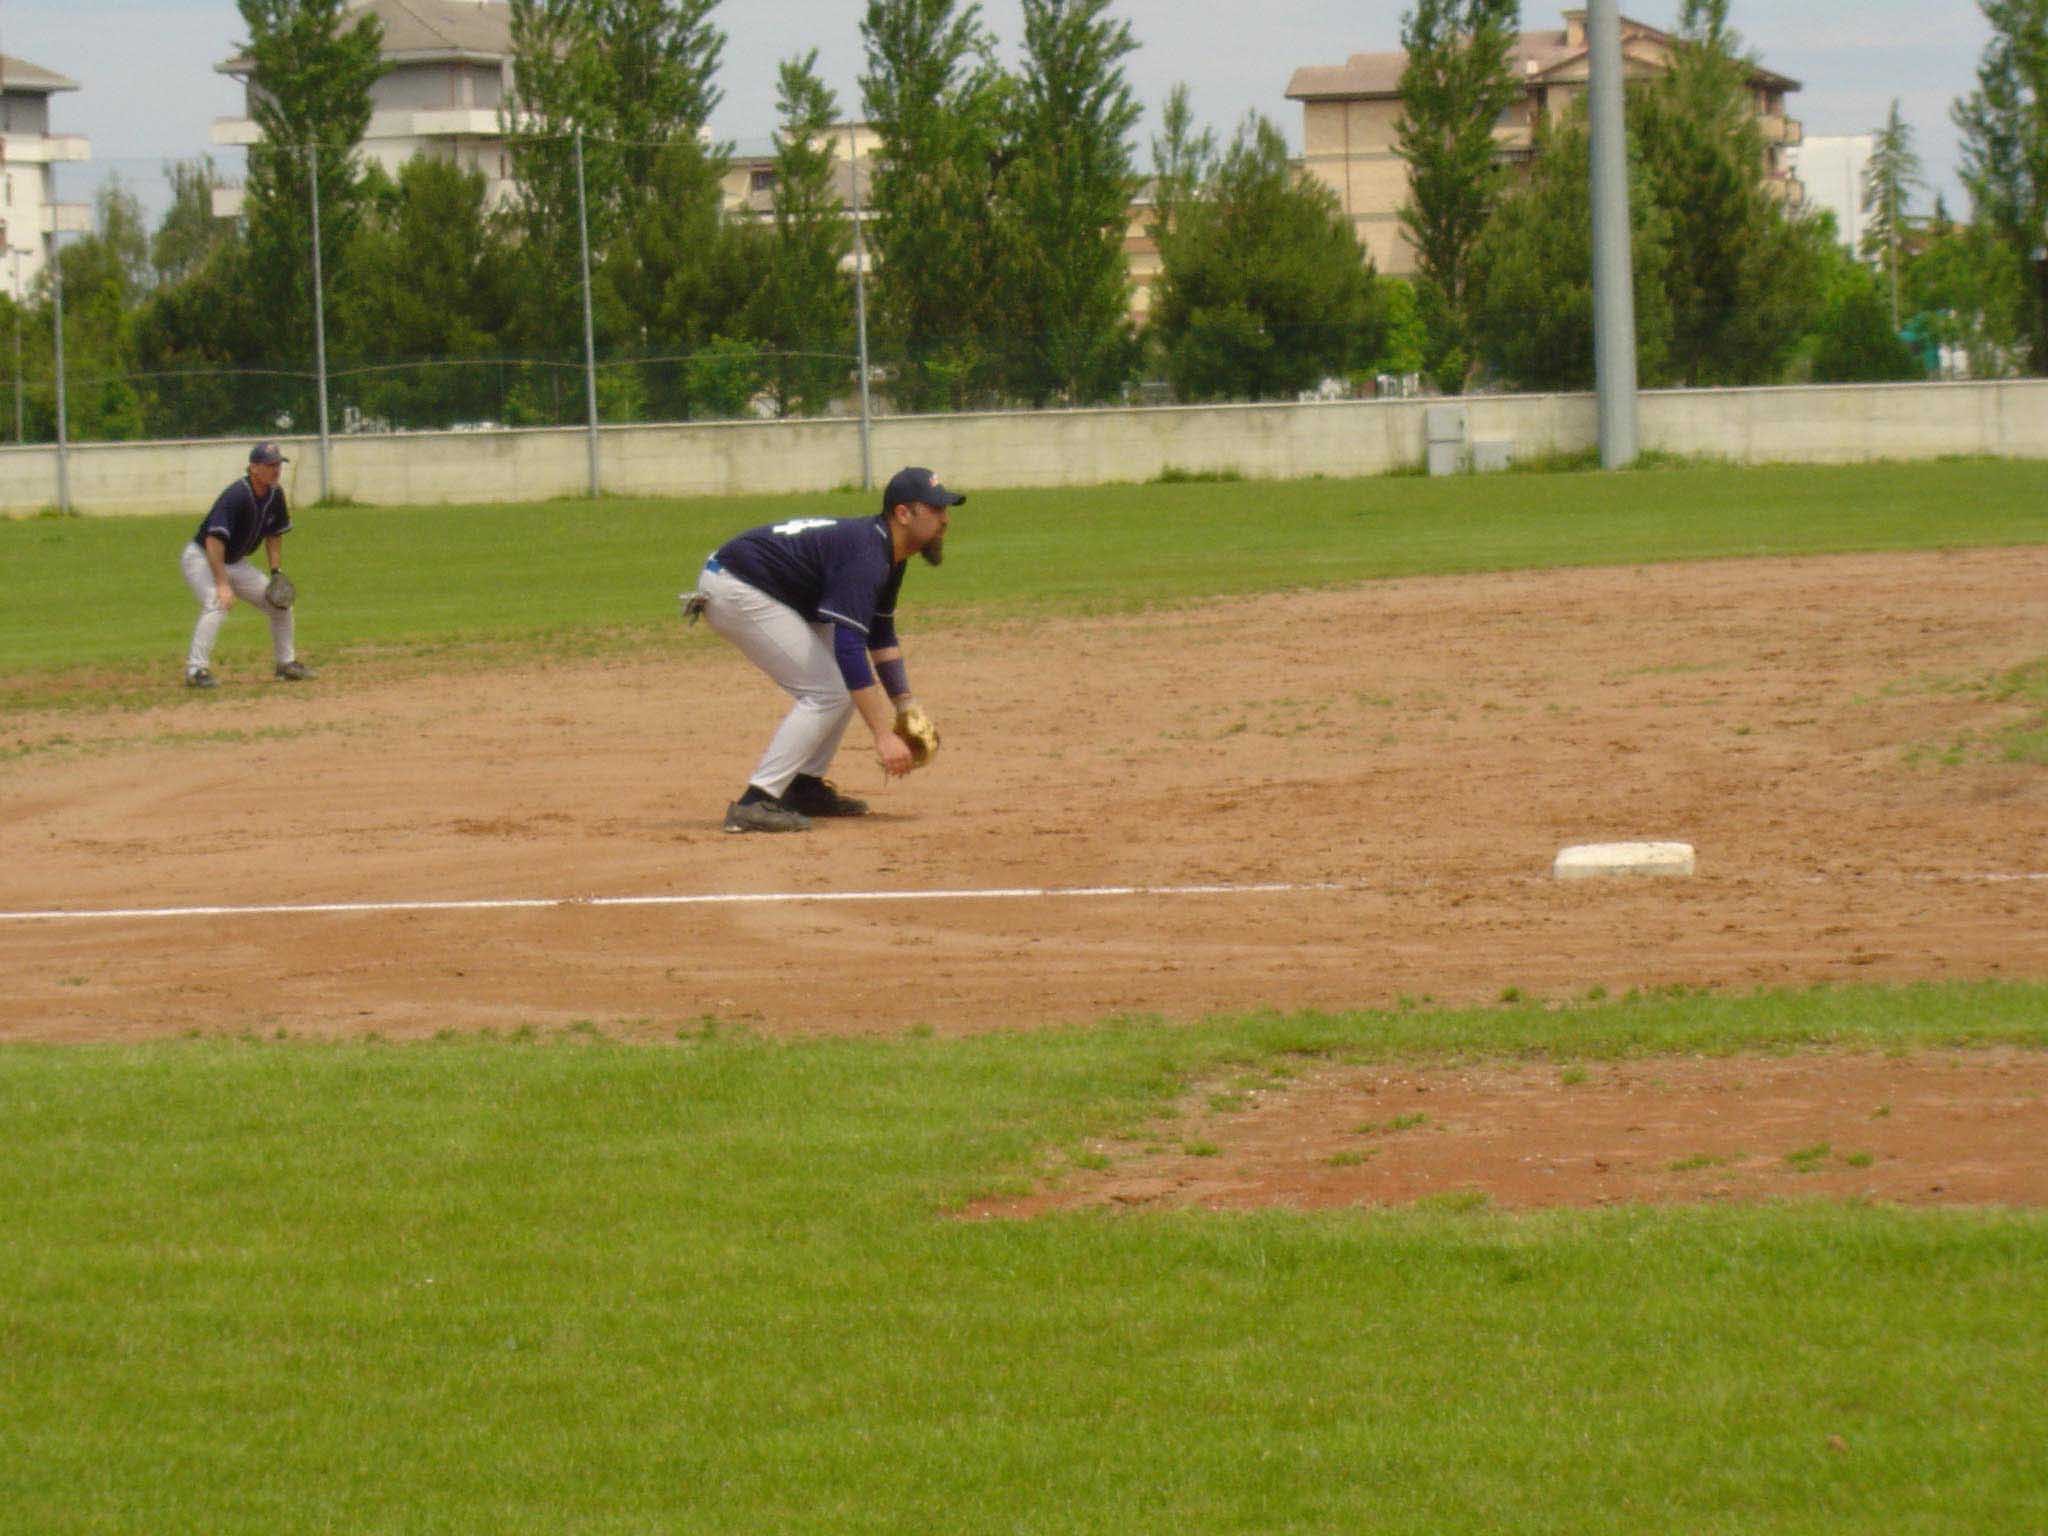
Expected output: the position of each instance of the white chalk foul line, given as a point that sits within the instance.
(721, 899)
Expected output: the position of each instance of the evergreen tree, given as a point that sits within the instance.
(313, 63)
(1743, 280)
(189, 232)
(635, 79)
(1454, 88)
(429, 291)
(1070, 190)
(1265, 291)
(1533, 314)
(938, 103)
(803, 311)
(2005, 149)
(1889, 182)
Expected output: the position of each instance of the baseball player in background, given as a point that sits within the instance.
(249, 512)
(812, 603)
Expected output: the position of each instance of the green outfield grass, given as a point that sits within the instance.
(103, 596)
(566, 1285)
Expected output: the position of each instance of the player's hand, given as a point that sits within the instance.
(224, 595)
(893, 752)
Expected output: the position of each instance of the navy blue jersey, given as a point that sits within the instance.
(832, 570)
(241, 522)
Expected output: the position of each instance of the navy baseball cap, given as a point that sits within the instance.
(267, 453)
(908, 485)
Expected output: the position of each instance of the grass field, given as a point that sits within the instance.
(583, 574)
(564, 1284)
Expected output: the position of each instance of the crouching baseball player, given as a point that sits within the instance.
(249, 512)
(813, 604)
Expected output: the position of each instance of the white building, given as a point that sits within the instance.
(29, 156)
(448, 70)
(1832, 169)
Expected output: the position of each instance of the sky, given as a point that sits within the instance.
(150, 93)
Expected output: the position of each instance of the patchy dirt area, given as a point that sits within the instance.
(1319, 800)
(1934, 1128)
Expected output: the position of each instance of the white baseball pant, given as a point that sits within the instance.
(798, 655)
(248, 583)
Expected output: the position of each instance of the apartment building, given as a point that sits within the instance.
(448, 73)
(30, 213)
(1351, 112)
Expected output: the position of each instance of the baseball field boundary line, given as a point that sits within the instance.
(711, 899)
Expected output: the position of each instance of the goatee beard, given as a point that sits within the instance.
(934, 553)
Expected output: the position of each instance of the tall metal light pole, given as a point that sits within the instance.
(1614, 304)
(320, 325)
(589, 331)
(860, 303)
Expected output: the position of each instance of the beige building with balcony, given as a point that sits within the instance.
(30, 214)
(448, 72)
(1351, 114)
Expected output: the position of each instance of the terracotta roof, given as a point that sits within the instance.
(427, 29)
(20, 75)
(1534, 55)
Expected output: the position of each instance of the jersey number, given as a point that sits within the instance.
(798, 525)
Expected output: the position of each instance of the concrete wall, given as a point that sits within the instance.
(1824, 424)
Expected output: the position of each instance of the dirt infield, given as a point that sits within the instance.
(1407, 758)
(1425, 745)
(1937, 1128)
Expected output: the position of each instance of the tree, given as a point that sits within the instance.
(803, 310)
(1533, 311)
(2004, 123)
(1454, 87)
(1968, 292)
(105, 275)
(311, 72)
(635, 79)
(1889, 182)
(1070, 188)
(1855, 341)
(1264, 291)
(429, 291)
(1743, 279)
(938, 103)
(189, 232)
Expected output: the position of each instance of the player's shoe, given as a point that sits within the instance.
(200, 677)
(817, 797)
(764, 816)
(294, 672)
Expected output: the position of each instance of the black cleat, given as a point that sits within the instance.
(764, 816)
(817, 797)
(199, 677)
(294, 672)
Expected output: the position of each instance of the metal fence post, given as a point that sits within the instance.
(320, 325)
(63, 446)
(589, 336)
(860, 304)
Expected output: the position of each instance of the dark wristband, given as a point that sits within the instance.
(895, 680)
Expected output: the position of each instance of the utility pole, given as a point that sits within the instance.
(1614, 304)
